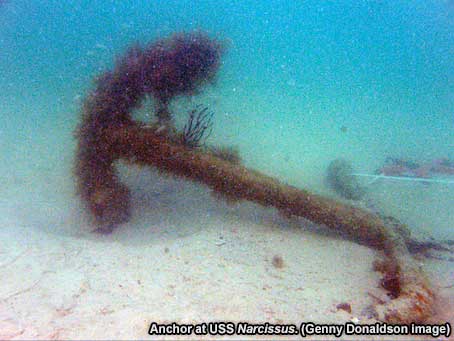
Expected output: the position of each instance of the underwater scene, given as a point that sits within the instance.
(227, 169)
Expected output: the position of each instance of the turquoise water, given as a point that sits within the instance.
(295, 73)
(302, 83)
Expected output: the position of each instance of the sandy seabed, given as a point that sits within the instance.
(185, 257)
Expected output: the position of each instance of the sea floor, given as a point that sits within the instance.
(185, 257)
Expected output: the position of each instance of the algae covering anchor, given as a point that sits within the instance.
(181, 65)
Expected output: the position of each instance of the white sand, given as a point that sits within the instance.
(184, 257)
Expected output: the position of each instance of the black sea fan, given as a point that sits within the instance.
(198, 127)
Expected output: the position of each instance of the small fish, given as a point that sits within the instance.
(101, 46)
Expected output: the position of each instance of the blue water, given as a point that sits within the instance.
(307, 81)
(301, 84)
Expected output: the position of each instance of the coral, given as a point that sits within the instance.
(198, 128)
(180, 65)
